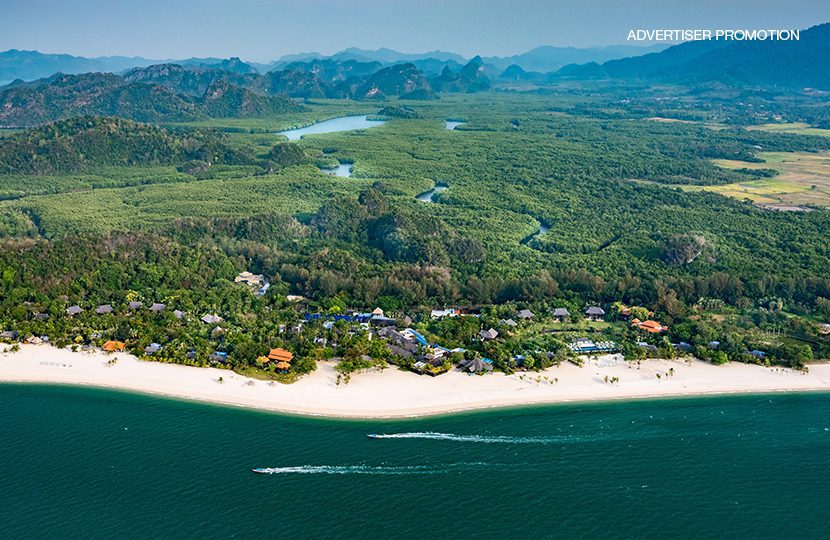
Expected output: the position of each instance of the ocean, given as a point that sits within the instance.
(91, 463)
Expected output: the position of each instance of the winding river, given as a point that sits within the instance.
(541, 231)
(429, 196)
(344, 123)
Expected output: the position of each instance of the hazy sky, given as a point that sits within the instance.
(261, 30)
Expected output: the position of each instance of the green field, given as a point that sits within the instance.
(803, 179)
(798, 128)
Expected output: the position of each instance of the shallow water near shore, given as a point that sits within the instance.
(92, 462)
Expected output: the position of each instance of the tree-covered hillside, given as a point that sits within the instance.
(104, 94)
(80, 143)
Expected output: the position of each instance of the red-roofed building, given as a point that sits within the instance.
(280, 355)
(650, 326)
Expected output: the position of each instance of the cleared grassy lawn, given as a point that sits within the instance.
(799, 128)
(804, 179)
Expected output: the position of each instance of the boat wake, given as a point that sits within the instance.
(484, 439)
(367, 469)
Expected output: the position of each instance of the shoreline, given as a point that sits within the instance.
(395, 394)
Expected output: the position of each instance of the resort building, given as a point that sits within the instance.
(158, 308)
(476, 365)
(487, 335)
(525, 314)
(254, 280)
(280, 355)
(103, 309)
(113, 346)
(653, 327)
(441, 313)
(560, 314)
(211, 319)
(594, 313)
(380, 320)
(135, 305)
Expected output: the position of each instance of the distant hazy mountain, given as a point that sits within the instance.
(382, 55)
(393, 81)
(332, 70)
(33, 65)
(514, 72)
(193, 81)
(233, 64)
(471, 78)
(389, 56)
(547, 58)
(541, 59)
(792, 64)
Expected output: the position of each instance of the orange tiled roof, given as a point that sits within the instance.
(280, 355)
(112, 346)
(652, 326)
(283, 365)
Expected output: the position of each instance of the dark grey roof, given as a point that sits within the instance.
(379, 320)
(73, 310)
(400, 351)
(386, 331)
(8, 334)
(41, 316)
(475, 365)
(135, 305)
(489, 334)
(152, 348)
(103, 308)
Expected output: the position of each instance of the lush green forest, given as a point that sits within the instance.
(104, 211)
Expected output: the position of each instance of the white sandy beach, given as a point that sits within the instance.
(394, 393)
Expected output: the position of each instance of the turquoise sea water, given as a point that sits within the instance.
(81, 462)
